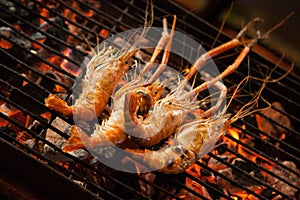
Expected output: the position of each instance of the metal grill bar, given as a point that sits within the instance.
(120, 22)
(288, 115)
(50, 49)
(271, 91)
(262, 168)
(67, 31)
(248, 175)
(41, 31)
(67, 172)
(39, 138)
(24, 79)
(41, 59)
(280, 83)
(293, 131)
(159, 188)
(231, 181)
(85, 28)
(34, 116)
(180, 22)
(51, 163)
(83, 16)
(279, 141)
(261, 153)
(30, 69)
(191, 191)
(208, 186)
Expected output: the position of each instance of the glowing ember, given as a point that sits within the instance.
(68, 66)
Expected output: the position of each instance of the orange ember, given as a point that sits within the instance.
(67, 66)
(44, 13)
(104, 33)
(234, 132)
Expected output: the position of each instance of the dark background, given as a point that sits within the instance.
(285, 40)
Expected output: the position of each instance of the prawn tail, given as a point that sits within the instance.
(75, 141)
(55, 103)
(100, 138)
(168, 160)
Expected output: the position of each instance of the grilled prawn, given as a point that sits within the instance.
(103, 72)
(145, 115)
(110, 130)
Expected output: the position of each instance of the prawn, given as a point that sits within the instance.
(142, 114)
(103, 72)
(193, 140)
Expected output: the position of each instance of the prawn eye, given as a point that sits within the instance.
(143, 102)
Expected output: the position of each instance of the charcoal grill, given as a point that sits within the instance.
(41, 34)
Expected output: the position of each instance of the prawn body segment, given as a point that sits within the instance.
(103, 72)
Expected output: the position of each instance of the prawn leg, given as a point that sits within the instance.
(235, 42)
(55, 103)
(161, 43)
(223, 91)
(166, 54)
(175, 158)
(184, 151)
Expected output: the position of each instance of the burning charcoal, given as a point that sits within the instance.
(76, 55)
(38, 36)
(269, 127)
(288, 176)
(58, 141)
(217, 165)
(252, 170)
(15, 115)
(105, 152)
(14, 51)
(147, 189)
(30, 142)
(26, 102)
(58, 33)
(14, 37)
(240, 177)
(36, 127)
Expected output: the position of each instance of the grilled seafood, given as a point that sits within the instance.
(145, 115)
(110, 130)
(103, 72)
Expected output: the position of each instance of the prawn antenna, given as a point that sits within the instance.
(87, 42)
(279, 24)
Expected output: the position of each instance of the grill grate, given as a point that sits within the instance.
(113, 17)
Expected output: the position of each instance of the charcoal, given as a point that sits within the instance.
(240, 177)
(26, 102)
(268, 126)
(58, 141)
(288, 176)
(58, 33)
(14, 51)
(250, 169)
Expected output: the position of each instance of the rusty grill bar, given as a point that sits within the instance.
(116, 16)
